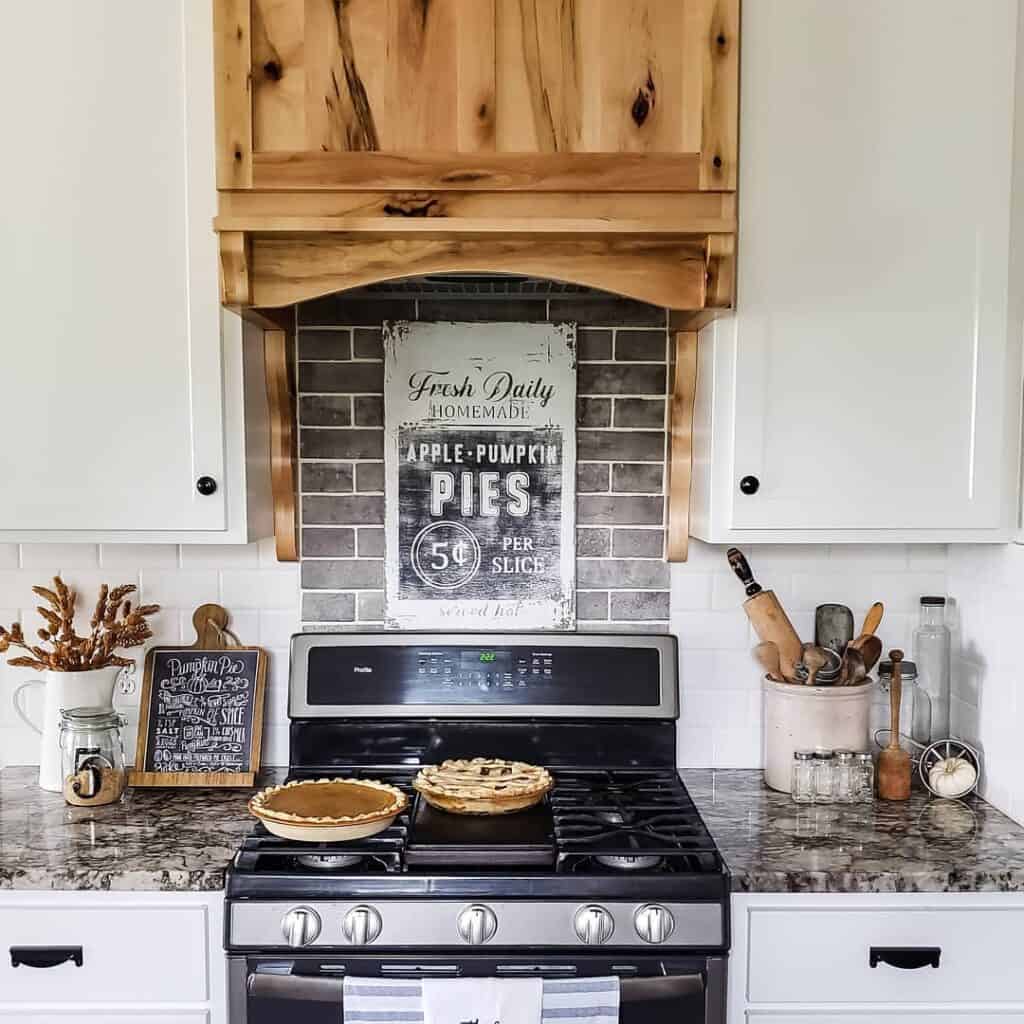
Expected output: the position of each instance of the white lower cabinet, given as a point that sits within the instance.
(851, 959)
(124, 958)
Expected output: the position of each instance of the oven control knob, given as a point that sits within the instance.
(477, 924)
(654, 924)
(301, 926)
(594, 925)
(362, 925)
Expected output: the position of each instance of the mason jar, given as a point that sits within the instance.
(92, 756)
(802, 788)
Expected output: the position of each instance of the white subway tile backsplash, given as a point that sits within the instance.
(63, 556)
(9, 556)
(261, 588)
(139, 556)
(184, 589)
(220, 556)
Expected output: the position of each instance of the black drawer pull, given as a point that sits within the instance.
(906, 958)
(45, 956)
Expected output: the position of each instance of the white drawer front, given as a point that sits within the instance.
(899, 1017)
(821, 956)
(130, 954)
(101, 1017)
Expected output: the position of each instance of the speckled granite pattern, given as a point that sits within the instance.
(925, 845)
(167, 839)
(183, 839)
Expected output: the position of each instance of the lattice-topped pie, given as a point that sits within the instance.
(328, 809)
(483, 785)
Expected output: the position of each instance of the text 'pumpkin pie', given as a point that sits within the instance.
(483, 785)
(326, 810)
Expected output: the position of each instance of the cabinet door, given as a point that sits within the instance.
(873, 375)
(111, 353)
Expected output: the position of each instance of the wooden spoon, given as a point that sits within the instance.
(854, 670)
(815, 659)
(767, 656)
(872, 620)
(894, 762)
(870, 651)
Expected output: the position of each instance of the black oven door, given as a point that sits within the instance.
(266, 990)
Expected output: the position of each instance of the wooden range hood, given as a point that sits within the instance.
(586, 141)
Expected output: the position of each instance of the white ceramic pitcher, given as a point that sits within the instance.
(94, 688)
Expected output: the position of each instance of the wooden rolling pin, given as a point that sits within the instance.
(766, 615)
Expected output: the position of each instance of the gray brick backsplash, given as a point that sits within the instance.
(591, 344)
(591, 604)
(618, 446)
(641, 346)
(613, 510)
(620, 450)
(344, 443)
(594, 378)
(343, 310)
(369, 410)
(593, 543)
(594, 412)
(637, 412)
(322, 344)
(592, 476)
(370, 606)
(645, 477)
(343, 378)
(325, 411)
(328, 542)
(634, 574)
(483, 310)
(640, 604)
(343, 509)
(605, 311)
(344, 574)
(368, 343)
(332, 477)
(370, 476)
(371, 542)
(328, 607)
(638, 543)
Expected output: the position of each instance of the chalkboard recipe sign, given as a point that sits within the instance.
(480, 469)
(200, 717)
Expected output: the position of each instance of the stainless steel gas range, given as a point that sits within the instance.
(614, 873)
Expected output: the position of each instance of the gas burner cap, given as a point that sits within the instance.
(328, 861)
(630, 863)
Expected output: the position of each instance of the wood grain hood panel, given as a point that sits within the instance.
(589, 141)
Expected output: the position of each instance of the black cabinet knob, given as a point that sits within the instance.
(206, 485)
(750, 485)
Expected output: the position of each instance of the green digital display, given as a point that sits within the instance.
(488, 656)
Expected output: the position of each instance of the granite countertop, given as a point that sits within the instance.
(168, 839)
(771, 844)
(183, 839)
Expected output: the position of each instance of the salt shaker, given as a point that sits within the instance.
(824, 776)
(865, 776)
(802, 779)
(845, 774)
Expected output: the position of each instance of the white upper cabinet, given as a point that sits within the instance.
(869, 382)
(121, 389)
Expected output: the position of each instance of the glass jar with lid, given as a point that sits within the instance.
(92, 756)
(844, 777)
(864, 768)
(802, 785)
(915, 705)
(824, 776)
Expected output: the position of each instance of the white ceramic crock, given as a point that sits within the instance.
(64, 690)
(812, 718)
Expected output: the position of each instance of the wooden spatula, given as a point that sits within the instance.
(894, 762)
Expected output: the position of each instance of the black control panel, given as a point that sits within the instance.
(599, 676)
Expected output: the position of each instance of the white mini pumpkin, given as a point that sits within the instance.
(952, 777)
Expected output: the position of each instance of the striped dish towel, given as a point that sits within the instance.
(580, 1001)
(564, 1001)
